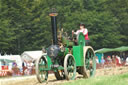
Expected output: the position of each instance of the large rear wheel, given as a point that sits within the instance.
(89, 67)
(41, 65)
(69, 67)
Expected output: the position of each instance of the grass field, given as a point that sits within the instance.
(121, 79)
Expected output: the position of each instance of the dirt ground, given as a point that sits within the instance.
(31, 80)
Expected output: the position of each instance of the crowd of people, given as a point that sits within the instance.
(26, 69)
(111, 61)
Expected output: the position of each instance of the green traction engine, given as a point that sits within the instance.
(65, 58)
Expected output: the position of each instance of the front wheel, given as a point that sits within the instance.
(69, 67)
(41, 65)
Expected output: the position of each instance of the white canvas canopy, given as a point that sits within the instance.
(31, 55)
(15, 58)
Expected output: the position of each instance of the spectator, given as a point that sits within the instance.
(26, 72)
(126, 61)
(29, 66)
(97, 60)
(15, 69)
(102, 62)
(118, 61)
(14, 65)
(114, 60)
(24, 66)
(109, 61)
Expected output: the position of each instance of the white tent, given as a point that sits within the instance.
(15, 58)
(31, 55)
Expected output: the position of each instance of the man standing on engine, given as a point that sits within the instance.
(82, 30)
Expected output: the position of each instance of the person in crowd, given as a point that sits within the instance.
(14, 64)
(109, 61)
(102, 62)
(24, 66)
(126, 62)
(15, 69)
(29, 66)
(114, 60)
(26, 72)
(118, 60)
(97, 60)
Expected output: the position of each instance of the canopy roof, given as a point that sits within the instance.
(7, 60)
(119, 49)
(11, 58)
(31, 55)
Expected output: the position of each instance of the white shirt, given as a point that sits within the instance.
(97, 61)
(119, 59)
(84, 31)
(126, 61)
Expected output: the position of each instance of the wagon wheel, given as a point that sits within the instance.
(89, 62)
(69, 67)
(59, 75)
(41, 63)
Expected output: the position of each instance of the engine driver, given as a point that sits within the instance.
(82, 30)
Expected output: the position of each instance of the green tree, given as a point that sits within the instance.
(25, 24)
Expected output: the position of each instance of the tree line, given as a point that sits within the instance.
(25, 24)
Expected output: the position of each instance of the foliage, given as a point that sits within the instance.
(25, 24)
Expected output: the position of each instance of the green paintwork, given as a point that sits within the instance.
(78, 50)
(81, 40)
(78, 55)
(60, 68)
(49, 62)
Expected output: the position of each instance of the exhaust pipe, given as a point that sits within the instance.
(53, 15)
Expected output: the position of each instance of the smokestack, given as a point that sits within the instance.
(53, 15)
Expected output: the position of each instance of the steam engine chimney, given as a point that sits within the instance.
(53, 15)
